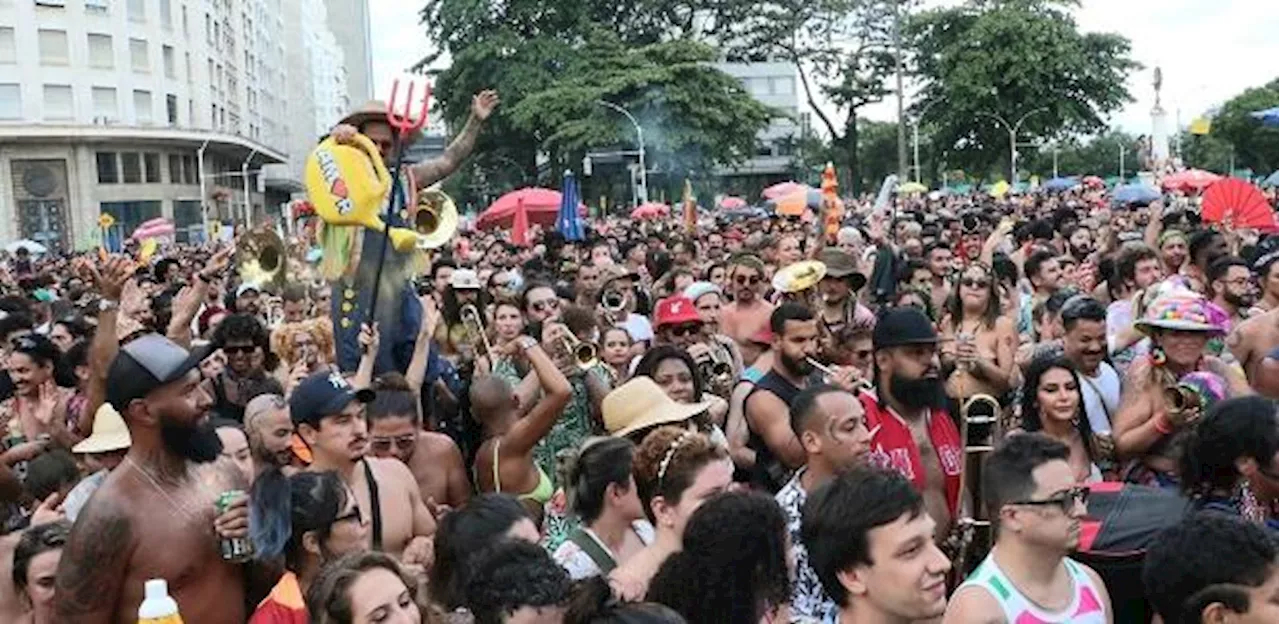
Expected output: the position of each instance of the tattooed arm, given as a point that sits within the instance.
(436, 169)
(94, 568)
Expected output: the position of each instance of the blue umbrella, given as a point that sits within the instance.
(568, 222)
(1060, 184)
(1269, 117)
(1272, 180)
(1134, 194)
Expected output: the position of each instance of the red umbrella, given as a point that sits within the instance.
(520, 227)
(540, 204)
(1242, 202)
(782, 189)
(651, 210)
(1190, 179)
(733, 203)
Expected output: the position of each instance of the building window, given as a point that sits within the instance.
(58, 103)
(97, 6)
(108, 170)
(189, 174)
(137, 10)
(129, 215)
(101, 54)
(105, 106)
(53, 47)
(138, 56)
(166, 14)
(10, 101)
(151, 162)
(784, 85)
(131, 167)
(171, 108)
(208, 29)
(166, 54)
(142, 107)
(175, 169)
(8, 46)
(188, 59)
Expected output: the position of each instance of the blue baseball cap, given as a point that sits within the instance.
(323, 394)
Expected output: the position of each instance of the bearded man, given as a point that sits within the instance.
(913, 433)
(400, 312)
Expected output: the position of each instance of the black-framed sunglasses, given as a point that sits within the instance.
(742, 280)
(243, 349)
(404, 442)
(545, 306)
(979, 283)
(1065, 500)
(354, 514)
(687, 329)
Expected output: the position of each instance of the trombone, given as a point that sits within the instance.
(471, 319)
(584, 353)
(979, 424)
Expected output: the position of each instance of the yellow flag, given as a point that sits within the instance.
(1199, 126)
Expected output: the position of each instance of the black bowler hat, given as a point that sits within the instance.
(903, 326)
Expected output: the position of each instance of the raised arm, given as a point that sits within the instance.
(527, 431)
(109, 280)
(94, 565)
(436, 169)
(187, 303)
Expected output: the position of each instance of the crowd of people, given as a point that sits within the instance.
(728, 421)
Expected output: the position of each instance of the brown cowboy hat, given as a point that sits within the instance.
(373, 110)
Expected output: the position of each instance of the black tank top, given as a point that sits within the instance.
(769, 473)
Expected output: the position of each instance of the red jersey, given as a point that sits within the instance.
(892, 446)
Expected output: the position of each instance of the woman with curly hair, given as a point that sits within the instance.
(733, 568)
(305, 347)
(366, 587)
(675, 470)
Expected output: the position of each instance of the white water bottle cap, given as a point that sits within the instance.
(157, 589)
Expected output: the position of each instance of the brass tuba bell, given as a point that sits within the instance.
(435, 218)
(261, 259)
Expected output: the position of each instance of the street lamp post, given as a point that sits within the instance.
(1013, 139)
(1121, 146)
(244, 172)
(204, 207)
(643, 194)
(915, 139)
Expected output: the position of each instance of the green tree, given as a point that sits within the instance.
(841, 49)
(1211, 152)
(1017, 60)
(1098, 155)
(1253, 144)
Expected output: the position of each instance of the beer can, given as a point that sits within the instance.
(233, 549)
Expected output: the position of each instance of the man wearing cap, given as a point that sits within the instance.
(749, 311)
(620, 281)
(329, 415)
(837, 289)
(676, 322)
(155, 516)
(914, 434)
(247, 299)
(398, 309)
(464, 289)
(103, 451)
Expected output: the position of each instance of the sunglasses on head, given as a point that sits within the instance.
(688, 329)
(1065, 500)
(742, 280)
(245, 349)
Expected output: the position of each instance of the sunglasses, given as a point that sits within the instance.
(688, 329)
(1064, 501)
(354, 514)
(404, 442)
(545, 305)
(742, 280)
(970, 282)
(244, 350)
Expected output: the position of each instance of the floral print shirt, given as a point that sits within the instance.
(808, 599)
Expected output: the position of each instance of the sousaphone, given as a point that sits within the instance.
(434, 217)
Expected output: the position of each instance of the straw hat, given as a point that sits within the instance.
(1179, 310)
(640, 404)
(374, 110)
(109, 433)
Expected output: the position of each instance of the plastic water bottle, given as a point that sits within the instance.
(157, 607)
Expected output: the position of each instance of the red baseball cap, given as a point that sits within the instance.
(674, 311)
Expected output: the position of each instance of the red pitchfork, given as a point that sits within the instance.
(400, 116)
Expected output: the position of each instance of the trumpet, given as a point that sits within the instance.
(830, 373)
(1185, 402)
(584, 353)
(471, 319)
(716, 368)
(613, 301)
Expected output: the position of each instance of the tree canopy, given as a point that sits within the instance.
(1253, 144)
(1017, 60)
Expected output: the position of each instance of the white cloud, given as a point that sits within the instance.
(399, 40)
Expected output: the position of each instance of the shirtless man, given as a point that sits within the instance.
(152, 517)
(1250, 342)
(266, 422)
(330, 417)
(748, 313)
(913, 434)
(395, 432)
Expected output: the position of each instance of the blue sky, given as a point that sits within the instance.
(1208, 50)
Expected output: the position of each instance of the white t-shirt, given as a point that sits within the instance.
(1107, 382)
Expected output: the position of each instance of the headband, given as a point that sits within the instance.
(671, 454)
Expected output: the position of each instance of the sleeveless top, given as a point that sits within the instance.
(540, 494)
(1085, 606)
(769, 473)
